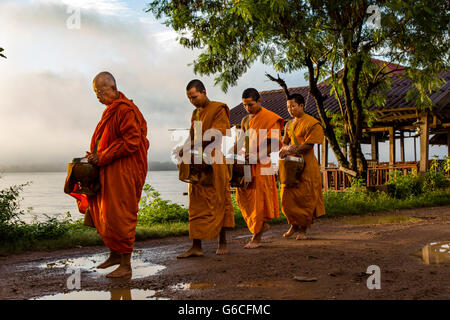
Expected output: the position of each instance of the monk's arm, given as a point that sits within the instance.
(127, 144)
(301, 149)
(314, 135)
(240, 138)
(273, 141)
(221, 123)
(286, 141)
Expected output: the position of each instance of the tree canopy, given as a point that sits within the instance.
(321, 37)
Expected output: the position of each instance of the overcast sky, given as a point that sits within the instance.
(48, 110)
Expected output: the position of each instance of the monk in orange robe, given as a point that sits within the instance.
(259, 201)
(122, 159)
(303, 202)
(211, 211)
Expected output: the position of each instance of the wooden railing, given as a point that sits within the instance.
(377, 175)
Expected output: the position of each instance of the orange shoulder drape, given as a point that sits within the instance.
(210, 207)
(122, 153)
(304, 202)
(259, 201)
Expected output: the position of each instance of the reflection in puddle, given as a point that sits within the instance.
(193, 286)
(435, 253)
(380, 220)
(141, 268)
(113, 294)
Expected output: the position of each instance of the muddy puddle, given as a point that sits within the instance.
(435, 253)
(380, 220)
(113, 294)
(87, 264)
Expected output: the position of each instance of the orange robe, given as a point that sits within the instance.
(210, 207)
(304, 202)
(259, 201)
(122, 153)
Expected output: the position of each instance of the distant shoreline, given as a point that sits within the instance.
(152, 166)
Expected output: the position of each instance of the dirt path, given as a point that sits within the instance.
(336, 256)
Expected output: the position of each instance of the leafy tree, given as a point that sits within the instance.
(321, 37)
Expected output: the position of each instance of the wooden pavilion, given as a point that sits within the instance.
(397, 120)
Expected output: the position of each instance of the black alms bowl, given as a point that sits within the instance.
(83, 171)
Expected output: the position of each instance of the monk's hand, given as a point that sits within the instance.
(93, 158)
(283, 154)
(292, 150)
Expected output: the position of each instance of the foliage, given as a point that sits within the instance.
(13, 229)
(435, 178)
(153, 209)
(361, 202)
(410, 185)
(321, 37)
(9, 204)
(402, 186)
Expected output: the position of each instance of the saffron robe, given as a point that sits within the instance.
(122, 154)
(259, 201)
(304, 202)
(210, 206)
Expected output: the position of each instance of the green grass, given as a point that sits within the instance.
(349, 203)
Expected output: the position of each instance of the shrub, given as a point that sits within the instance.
(153, 209)
(402, 186)
(435, 177)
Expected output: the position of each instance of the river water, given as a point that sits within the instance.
(45, 196)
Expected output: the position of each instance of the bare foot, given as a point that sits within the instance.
(301, 236)
(253, 244)
(113, 259)
(192, 252)
(222, 249)
(120, 272)
(293, 229)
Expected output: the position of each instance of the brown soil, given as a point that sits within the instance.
(336, 256)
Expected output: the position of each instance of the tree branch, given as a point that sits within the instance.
(281, 82)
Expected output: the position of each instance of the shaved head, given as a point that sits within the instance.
(105, 79)
(105, 88)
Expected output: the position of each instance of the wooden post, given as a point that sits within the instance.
(402, 147)
(324, 159)
(415, 149)
(374, 145)
(323, 163)
(448, 142)
(318, 153)
(424, 142)
(391, 148)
